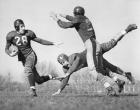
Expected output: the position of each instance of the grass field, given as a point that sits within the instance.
(76, 96)
(83, 93)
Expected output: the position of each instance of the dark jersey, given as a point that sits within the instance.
(81, 23)
(76, 62)
(22, 41)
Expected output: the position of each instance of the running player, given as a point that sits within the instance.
(22, 38)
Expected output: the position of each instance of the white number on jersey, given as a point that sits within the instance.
(20, 41)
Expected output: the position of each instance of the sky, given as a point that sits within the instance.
(108, 17)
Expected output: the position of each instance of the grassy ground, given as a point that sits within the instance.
(82, 94)
(75, 97)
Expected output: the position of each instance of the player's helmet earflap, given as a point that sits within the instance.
(17, 23)
(62, 58)
(78, 10)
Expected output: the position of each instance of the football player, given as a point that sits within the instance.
(86, 31)
(21, 38)
(77, 61)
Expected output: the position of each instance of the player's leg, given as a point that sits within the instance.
(111, 68)
(28, 69)
(40, 79)
(118, 70)
(110, 85)
(90, 45)
(107, 82)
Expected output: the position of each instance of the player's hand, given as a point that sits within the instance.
(63, 15)
(59, 78)
(54, 16)
(56, 93)
(131, 27)
(58, 43)
(67, 74)
(13, 53)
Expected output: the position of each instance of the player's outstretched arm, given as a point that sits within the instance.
(42, 41)
(68, 17)
(7, 49)
(64, 83)
(106, 46)
(54, 16)
(129, 28)
(8, 44)
(45, 42)
(61, 23)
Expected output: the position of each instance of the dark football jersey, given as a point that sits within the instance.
(82, 24)
(22, 41)
(75, 65)
(82, 59)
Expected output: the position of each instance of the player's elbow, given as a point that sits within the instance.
(6, 51)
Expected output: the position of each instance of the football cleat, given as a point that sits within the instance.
(32, 93)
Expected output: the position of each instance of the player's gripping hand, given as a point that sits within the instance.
(131, 27)
(58, 43)
(57, 92)
(13, 51)
(12, 54)
(63, 15)
(54, 16)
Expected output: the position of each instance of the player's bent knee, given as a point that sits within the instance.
(28, 71)
(39, 82)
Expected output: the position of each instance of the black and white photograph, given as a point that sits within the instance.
(69, 55)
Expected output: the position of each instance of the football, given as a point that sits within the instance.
(13, 50)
